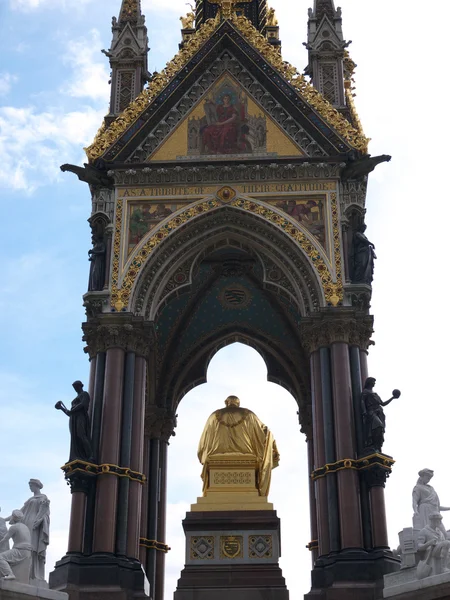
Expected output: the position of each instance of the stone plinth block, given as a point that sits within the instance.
(232, 555)
(404, 585)
(12, 590)
(351, 575)
(98, 577)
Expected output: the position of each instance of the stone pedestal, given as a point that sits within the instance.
(351, 575)
(99, 577)
(404, 585)
(232, 555)
(13, 590)
(231, 485)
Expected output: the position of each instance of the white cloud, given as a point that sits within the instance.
(90, 77)
(6, 81)
(33, 144)
(30, 5)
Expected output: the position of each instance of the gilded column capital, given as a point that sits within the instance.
(160, 422)
(336, 325)
(132, 334)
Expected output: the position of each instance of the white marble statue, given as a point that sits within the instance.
(425, 501)
(434, 548)
(3, 531)
(36, 516)
(21, 550)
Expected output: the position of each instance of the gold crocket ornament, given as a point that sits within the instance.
(227, 7)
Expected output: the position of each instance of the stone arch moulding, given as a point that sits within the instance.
(202, 218)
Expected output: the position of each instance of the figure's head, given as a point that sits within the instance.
(425, 475)
(370, 383)
(232, 401)
(35, 485)
(435, 519)
(16, 517)
(77, 386)
(362, 227)
(226, 99)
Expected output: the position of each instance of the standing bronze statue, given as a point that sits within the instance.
(363, 257)
(80, 438)
(97, 256)
(373, 415)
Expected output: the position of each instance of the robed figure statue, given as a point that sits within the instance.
(79, 425)
(238, 431)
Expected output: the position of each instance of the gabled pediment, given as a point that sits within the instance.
(293, 110)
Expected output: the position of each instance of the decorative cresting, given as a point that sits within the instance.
(332, 284)
(107, 136)
(337, 325)
(377, 461)
(160, 422)
(130, 333)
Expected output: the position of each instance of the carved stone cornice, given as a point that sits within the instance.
(337, 325)
(160, 422)
(275, 172)
(125, 331)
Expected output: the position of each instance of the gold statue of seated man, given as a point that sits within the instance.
(238, 453)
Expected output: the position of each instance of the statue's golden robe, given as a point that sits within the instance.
(238, 431)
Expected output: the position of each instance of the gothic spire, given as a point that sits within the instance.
(127, 57)
(326, 48)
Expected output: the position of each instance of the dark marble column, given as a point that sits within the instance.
(125, 454)
(107, 484)
(77, 516)
(162, 509)
(145, 494)
(136, 459)
(379, 521)
(355, 366)
(320, 485)
(152, 519)
(330, 449)
(312, 504)
(364, 366)
(348, 483)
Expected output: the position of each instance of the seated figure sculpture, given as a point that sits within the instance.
(3, 531)
(432, 543)
(238, 453)
(20, 554)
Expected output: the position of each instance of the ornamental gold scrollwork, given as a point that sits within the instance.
(333, 290)
(121, 297)
(106, 137)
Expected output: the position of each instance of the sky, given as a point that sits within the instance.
(53, 94)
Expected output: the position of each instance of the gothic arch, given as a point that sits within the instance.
(182, 250)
